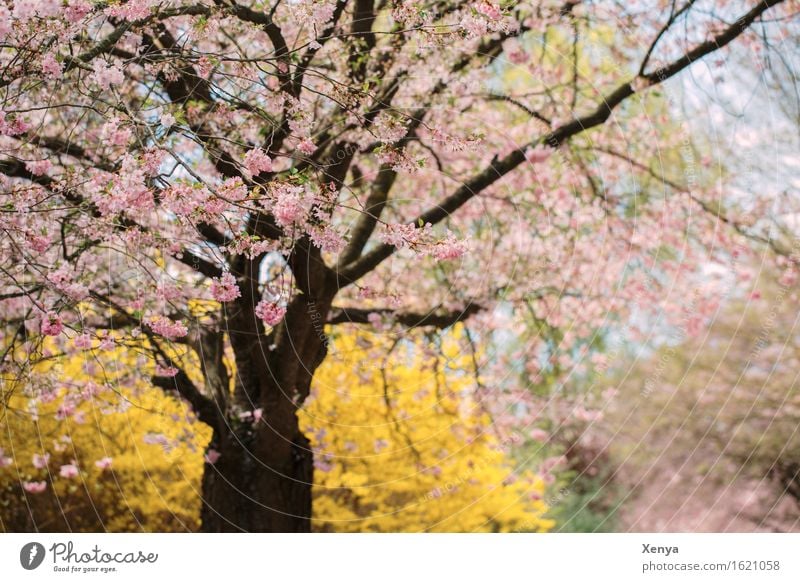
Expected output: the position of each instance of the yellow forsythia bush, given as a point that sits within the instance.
(100, 473)
(400, 446)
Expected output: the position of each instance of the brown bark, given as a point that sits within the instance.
(243, 491)
(262, 480)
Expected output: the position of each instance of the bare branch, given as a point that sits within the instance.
(437, 319)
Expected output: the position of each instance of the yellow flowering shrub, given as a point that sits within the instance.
(114, 479)
(402, 446)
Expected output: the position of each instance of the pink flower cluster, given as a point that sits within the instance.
(104, 463)
(327, 239)
(27, 9)
(77, 9)
(184, 199)
(233, 189)
(166, 371)
(40, 461)
(307, 147)
(63, 280)
(83, 341)
(257, 161)
(151, 161)
(270, 312)
(14, 126)
(538, 154)
(423, 241)
(69, 471)
(167, 328)
(289, 207)
(34, 487)
(38, 242)
(106, 75)
(4, 460)
(131, 10)
(38, 167)
(52, 324)
(224, 288)
(489, 10)
(449, 248)
(167, 120)
(51, 67)
(402, 235)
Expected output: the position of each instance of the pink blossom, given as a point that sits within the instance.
(233, 189)
(24, 9)
(212, 456)
(151, 160)
(204, 66)
(270, 312)
(51, 67)
(39, 242)
(69, 471)
(401, 235)
(258, 414)
(166, 371)
(132, 9)
(166, 327)
(552, 462)
(116, 135)
(27, 9)
(40, 461)
(16, 125)
(63, 280)
(257, 161)
(489, 9)
(307, 147)
(322, 463)
(5, 22)
(515, 53)
(34, 487)
(106, 75)
(449, 248)
(38, 167)
(52, 324)
(289, 207)
(539, 435)
(104, 463)
(167, 120)
(156, 438)
(5, 461)
(66, 410)
(327, 239)
(224, 288)
(77, 9)
(538, 154)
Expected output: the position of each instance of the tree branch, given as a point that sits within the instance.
(440, 320)
(495, 171)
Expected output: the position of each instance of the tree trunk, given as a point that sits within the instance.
(242, 492)
(262, 480)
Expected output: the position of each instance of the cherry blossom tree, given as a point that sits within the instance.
(216, 185)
